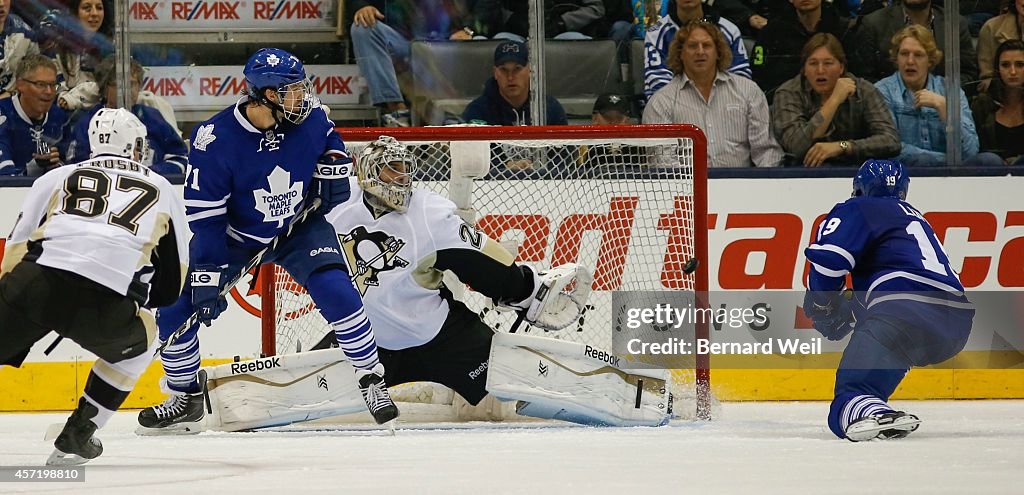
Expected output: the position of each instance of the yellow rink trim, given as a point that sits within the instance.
(57, 386)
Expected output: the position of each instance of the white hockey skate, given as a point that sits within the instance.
(884, 426)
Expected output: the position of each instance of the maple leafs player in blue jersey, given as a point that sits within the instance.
(252, 167)
(908, 307)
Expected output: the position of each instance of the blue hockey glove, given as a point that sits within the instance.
(831, 313)
(330, 180)
(207, 281)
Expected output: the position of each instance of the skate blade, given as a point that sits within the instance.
(390, 425)
(871, 429)
(58, 458)
(177, 429)
(53, 431)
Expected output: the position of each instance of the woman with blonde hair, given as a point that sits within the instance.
(917, 99)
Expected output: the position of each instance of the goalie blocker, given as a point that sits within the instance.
(551, 379)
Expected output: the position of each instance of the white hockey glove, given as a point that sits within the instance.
(560, 297)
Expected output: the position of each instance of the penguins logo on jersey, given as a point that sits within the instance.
(370, 253)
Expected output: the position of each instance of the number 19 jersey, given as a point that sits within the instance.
(897, 264)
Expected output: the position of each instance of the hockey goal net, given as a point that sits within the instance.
(630, 202)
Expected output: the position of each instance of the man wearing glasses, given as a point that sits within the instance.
(31, 124)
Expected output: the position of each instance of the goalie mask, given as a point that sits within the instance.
(117, 132)
(385, 169)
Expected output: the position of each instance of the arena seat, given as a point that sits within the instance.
(448, 75)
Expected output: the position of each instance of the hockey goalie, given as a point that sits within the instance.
(398, 242)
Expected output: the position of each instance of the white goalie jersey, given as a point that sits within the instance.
(392, 258)
(111, 220)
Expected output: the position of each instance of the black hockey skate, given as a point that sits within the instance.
(884, 426)
(76, 445)
(375, 393)
(179, 414)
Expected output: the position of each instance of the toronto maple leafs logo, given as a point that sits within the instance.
(204, 136)
(370, 253)
(271, 141)
(278, 203)
(273, 60)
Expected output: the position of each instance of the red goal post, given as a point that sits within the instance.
(628, 201)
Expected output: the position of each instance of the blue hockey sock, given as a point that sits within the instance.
(340, 304)
(849, 407)
(181, 364)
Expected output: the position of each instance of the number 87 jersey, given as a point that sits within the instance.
(897, 264)
(108, 219)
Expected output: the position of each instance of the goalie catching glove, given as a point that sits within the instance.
(559, 297)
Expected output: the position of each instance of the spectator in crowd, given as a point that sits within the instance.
(506, 97)
(563, 19)
(1000, 110)
(1009, 26)
(611, 109)
(827, 116)
(918, 102)
(31, 124)
(730, 109)
(77, 41)
(859, 8)
(16, 41)
(776, 55)
(166, 154)
(978, 12)
(619, 16)
(872, 40)
(659, 36)
(751, 16)
(383, 30)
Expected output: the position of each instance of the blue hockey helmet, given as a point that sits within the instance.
(277, 69)
(881, 178)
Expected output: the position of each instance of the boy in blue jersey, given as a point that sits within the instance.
(167, 154)
(908, 306)
(251, 168)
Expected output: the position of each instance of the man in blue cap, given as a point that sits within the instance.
(506, 98)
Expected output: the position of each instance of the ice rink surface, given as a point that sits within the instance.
(963, 447)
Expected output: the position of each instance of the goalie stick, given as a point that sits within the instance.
(688, 268)
(253, 263)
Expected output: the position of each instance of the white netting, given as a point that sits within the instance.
(623, 207)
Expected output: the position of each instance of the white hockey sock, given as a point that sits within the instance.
(110, 383)
(355, 336)
(861, 406)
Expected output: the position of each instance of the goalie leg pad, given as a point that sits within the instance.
(555, 379)
(280, 390)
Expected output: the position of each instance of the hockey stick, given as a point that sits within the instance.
(256, 261)
(688, 268)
